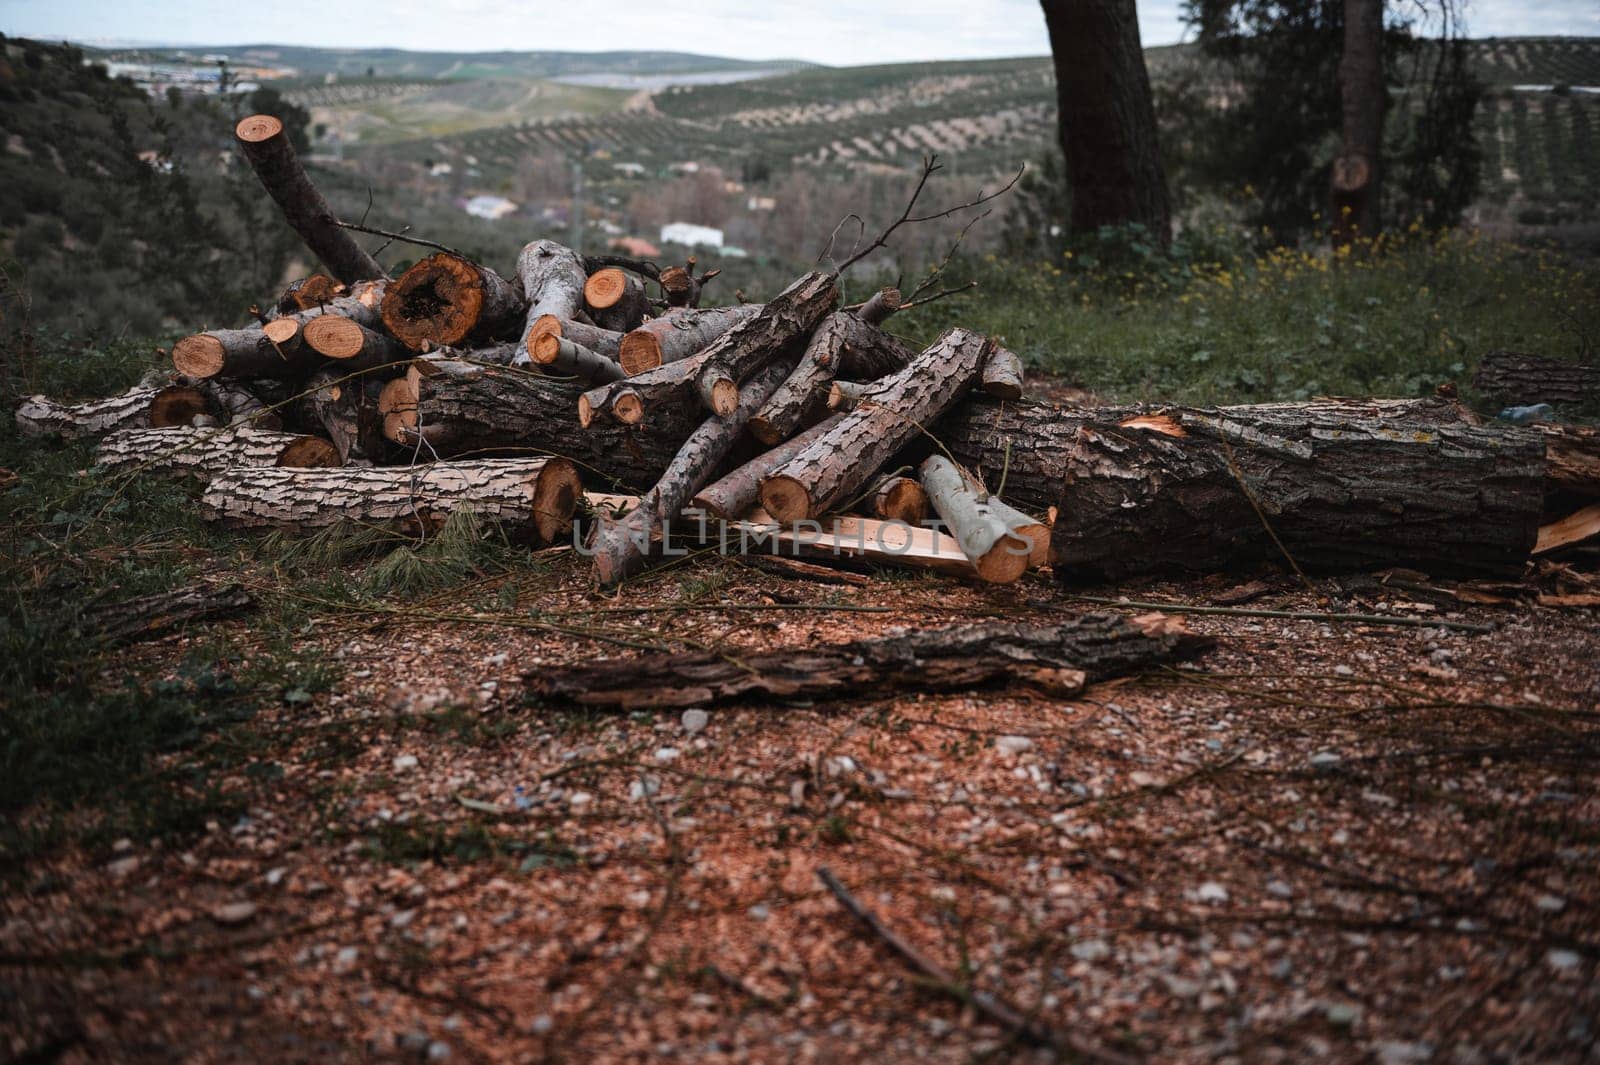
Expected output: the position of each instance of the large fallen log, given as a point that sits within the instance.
(1058, 659)
(266, 146)
(153, 615)
(1516, 378)
(203, 453)
(678, 334)
(527, 498)
(1328, 486)
(756, 341)
(445, 300)
(42, 416)
(890, 416)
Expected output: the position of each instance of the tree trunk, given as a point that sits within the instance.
(1107, 118)
(153, 615)
(620, 547)
(42, 416)
(998, 556)
(1002, 375)
(558, 355)
(848, 456)
(1206, 490)
(734, 495)
(1514, 378)
(756, 341)
(528, 498)
(445, 300)
(1355, 185)
(354, 345)
(205, 452)
(552, 277)
(1059, 659)
(678, 334)
(267, 147)
(843, 343)
(616, 299)
(275, 350)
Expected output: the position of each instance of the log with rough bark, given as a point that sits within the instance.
(1058, 659)
(1515, 378)
(732, 496)
(559, 355)
(1572, 458)
(528, 498)
(43, 416)
(756, 341)
(997, 554)
(843, 343)
(254, 403)
(456, 408)
(678, 334)
(275, 350)
(1332, 488)
(309, 293)
(266, 146)
(664, 390)
(896, 497)
(353, 344)
(896, 410)
(153, 615)
(205, 452)
(445, 300)
(552, 277)
(615, 299)
(1002, 375)
(348, 412)
(621, 547)
(607, 342)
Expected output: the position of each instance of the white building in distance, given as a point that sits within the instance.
(691, 235)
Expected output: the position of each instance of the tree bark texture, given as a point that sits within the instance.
(1334, 490)
(445, 300)
(202, 452)
(39, 416)
(1002, 375)
(1512, 377)
(756, 341)
(1059, 659)
(154, 615)
(265, 145)
(997, 555)
(1107, 117)
(276, 350)
(348, 413)
(529, 498)
(843, 344)
(678, 334)
(734, 495)
(1355, 183)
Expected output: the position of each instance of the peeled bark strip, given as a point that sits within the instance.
(607, 342)
(734, 495)
(152, 615)
(999, 556)
(754, 342)
(1059, 659)
(1340, 491)
(620, 547)
(678, 334)
(562, 356)
(844, 459)
(309, 293)
(1002, 375)
(348, 412)
(897, 497)
(274, 350)
(616, 299)
(457, 409)
(532, 498)
(204, 452)
(445, 299)
(353, 344)
(1511, 377)
(267, 147)
(42, 416)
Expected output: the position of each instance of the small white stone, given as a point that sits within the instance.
(695, 720)
(1211, 891)
(405, 763)
(234, 913)
(667, 754)
(1563, 961)
(1551, 903)
(1013, 745)
(580, 798)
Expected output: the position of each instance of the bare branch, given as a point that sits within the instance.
(930, 166)
(401, 236)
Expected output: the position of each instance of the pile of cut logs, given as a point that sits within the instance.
(803, 424)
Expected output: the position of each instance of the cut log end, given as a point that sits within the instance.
(309, 452)
(334, 336)
(903, 499)
(257, 129)
(283, 332)
(200, 355)
(543, 326)
(724, 392)
(627, 407)
(555, 492)
(436, 302)
(763, 430)
(640, 351)
(544, 349)
(585, 411)
(605, 288)
(177, 405)
(785, 498)
(310, 293)
(398, 405)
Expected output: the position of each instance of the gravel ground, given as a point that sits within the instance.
(1318, 841)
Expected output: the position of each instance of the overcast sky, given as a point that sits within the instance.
(824, 31)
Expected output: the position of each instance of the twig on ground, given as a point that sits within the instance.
(1291, 615)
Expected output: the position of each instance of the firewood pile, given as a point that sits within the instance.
(612, 389)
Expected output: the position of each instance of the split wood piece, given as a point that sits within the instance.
(1515, 378)
(620, 547)
(309, 293)
(528, 498)
(1330, 487)
(998, 555)
(40, 416)
(560, 355)
(353, 344)
(896, 497)
(445, 299)
(348, 411)
(552, 277)
(881, 304)
(735, 494)
(843, 343)
(274, 350)
(678, 334)
(267, 147)
(898, 408)
(205, 452)
(1573, 529)
(447, 408)
(1002, 375)
(153, 615)
(666, 388)
(1058, 658)
(756, 341)
(607, 342)
(616, 299)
